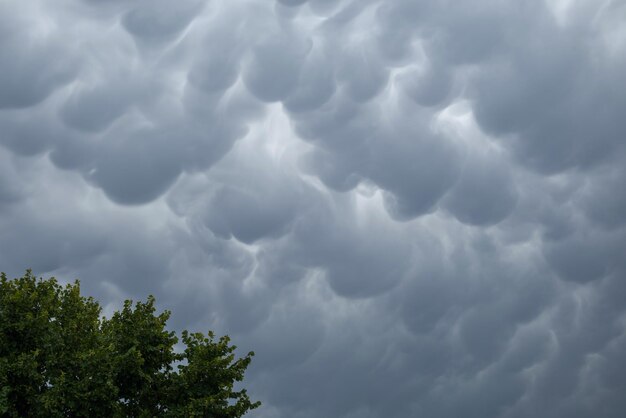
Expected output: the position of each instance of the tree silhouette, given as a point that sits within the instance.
(60, 358)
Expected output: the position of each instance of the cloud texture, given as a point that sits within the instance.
(406, 208)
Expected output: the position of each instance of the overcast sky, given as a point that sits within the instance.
(407, 208)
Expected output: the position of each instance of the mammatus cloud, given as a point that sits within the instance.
(405, 208)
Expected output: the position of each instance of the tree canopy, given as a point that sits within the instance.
(59, 357)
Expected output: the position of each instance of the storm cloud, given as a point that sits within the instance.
(406, 208)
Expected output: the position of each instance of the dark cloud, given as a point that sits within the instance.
(602, 199)
(138, 169)
(405, 208)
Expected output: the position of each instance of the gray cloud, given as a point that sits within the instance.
(273, 68)
(160, 21)
(485, 192)
(404, 208)
(34, 62)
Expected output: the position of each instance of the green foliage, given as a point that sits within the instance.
(60, 358)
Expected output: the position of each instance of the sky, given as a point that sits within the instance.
(407, 208)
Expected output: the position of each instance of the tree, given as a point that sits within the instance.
(60, 358)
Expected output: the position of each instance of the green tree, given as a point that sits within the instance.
(60, 358)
